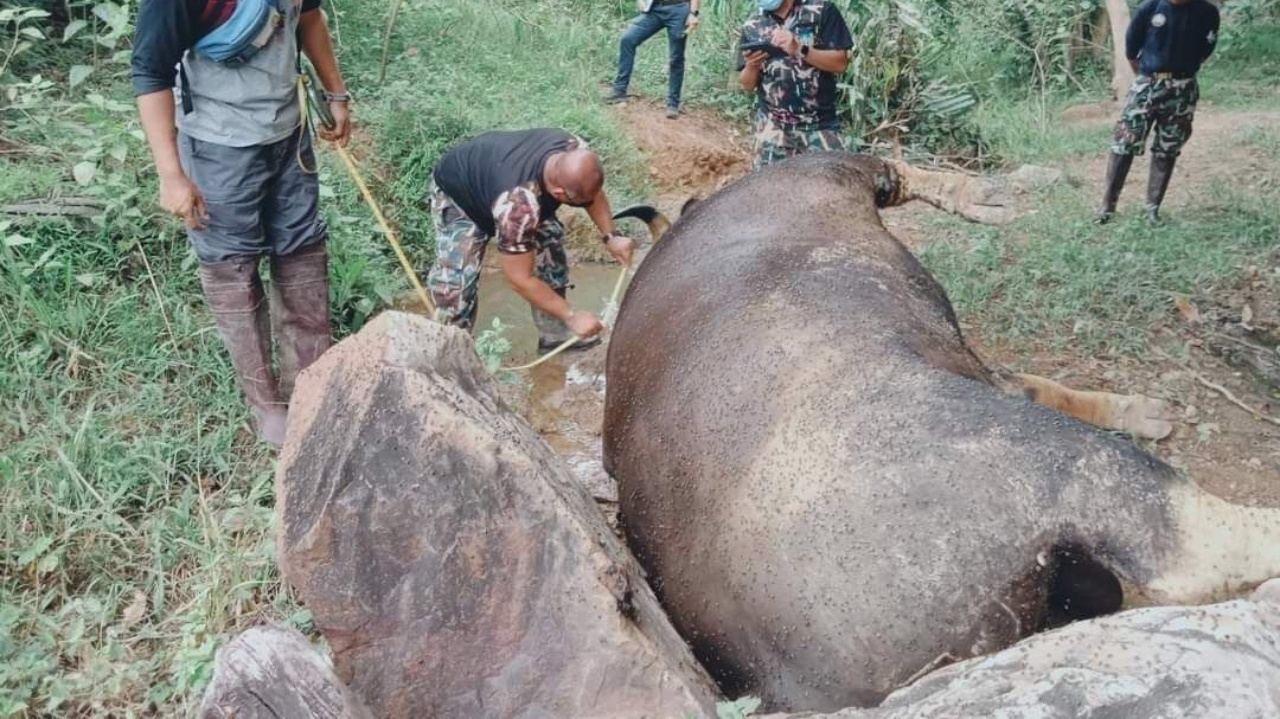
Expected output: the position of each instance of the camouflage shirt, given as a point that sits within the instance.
(791, 91)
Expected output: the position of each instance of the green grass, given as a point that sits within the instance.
(1242, 72)
(135, 507)
(1055, 281)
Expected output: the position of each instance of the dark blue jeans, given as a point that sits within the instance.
(673, 18)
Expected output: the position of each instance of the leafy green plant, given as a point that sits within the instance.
(493, 346)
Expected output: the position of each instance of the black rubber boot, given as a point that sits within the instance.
(552, 332)
(1117, 170)
(1158, 183)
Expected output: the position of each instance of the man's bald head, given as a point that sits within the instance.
(575, 177)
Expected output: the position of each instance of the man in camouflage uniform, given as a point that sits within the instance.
(795, 77)
(1166, 43)
(509, 185)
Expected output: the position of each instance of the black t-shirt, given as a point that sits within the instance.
(477, 172)
(1164, 37)
(166, 29)
(792, 92)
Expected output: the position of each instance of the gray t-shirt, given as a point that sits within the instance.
(251, 104)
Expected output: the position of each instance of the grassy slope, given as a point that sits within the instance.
(1054, 280)
(135, 510)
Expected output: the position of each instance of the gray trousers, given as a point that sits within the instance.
(260, 199)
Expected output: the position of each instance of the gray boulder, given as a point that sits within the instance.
(270, 672)
(450, 558)
(1220, 660)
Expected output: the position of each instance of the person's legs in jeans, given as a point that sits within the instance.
(675, 17)
(641, 28)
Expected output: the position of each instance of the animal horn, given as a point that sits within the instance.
(648, 214)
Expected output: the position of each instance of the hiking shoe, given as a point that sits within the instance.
(615, 95)
(544, 346)
(673, 113)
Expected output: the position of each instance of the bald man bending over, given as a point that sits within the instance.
(509, 185)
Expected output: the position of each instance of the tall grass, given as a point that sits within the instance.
(135, 504)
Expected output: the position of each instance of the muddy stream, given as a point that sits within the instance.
(565, 400)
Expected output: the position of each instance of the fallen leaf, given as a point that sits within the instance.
(1189, 312)
(84, 172)
(136, 610)
(1246, 316)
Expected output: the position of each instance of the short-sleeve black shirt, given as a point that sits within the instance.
(477, 172)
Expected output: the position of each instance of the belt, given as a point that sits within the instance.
(670, 2)
(1171, 76)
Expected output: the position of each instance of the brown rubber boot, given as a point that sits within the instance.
(238, 304)
(300, 310)
(1158, 183)
(552, 332)
(1117, 170)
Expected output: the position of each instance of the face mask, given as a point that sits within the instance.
(769, 5)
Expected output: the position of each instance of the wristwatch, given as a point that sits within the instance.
(337, 96)
(804, 51)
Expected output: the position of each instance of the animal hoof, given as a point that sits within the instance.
(1146, 417)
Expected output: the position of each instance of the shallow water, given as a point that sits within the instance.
(590, 288)
(566, 393)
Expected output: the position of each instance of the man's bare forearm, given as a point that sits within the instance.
(519, 271)
(833, 61)
(601, 214)
(314, 34)
(156, 113)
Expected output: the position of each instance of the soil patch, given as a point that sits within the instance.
(695, 154)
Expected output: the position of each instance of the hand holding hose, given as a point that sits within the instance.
(584, 324)
(621, 247)
(340, 130)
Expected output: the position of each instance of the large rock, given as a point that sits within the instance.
(453, 563)
(1221, 660)
(270, 672)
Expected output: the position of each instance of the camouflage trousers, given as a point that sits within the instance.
(1168, 105)
(454, 280)
(775, 142)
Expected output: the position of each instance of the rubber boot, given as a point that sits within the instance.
(300, 310)
(235, 296)
(552, 332)
(1117, 170)
(1158, 183)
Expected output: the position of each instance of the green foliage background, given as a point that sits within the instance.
(136, 511)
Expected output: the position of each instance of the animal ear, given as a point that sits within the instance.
(688, 205)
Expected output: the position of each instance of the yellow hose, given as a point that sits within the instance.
(617, 289)
(386, 228)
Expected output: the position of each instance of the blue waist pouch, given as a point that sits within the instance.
(251, 26)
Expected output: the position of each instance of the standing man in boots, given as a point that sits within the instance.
(509, 185)
(679, 17)
(1166, 43)
(237, 165)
